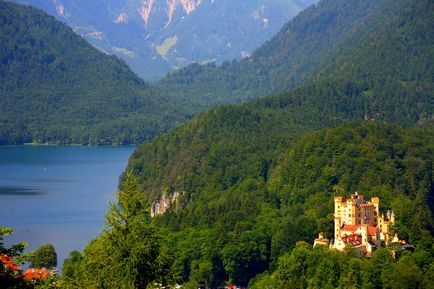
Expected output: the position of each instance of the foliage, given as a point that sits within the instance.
(57, 88)
(71, 266)
(246, 203)
(355, 58)
(9, 269)
(376, 55)
(14, 251)
(305, 267)
(11, 275)
(44, 257)
(130, 253)
(257, 183)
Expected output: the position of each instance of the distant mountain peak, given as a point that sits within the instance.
(206, 29)
(146, 8)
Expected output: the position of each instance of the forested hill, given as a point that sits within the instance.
(239, 215)
(368, 85)
(386, 43)
(55, 87)
(252, 183)
(250, 191)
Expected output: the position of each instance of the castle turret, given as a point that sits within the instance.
(376, 202)
(338, 202)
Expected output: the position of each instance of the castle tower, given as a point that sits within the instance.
(338, 202)
(338, 225)
(376, 202)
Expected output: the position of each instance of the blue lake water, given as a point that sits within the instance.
(58, 195)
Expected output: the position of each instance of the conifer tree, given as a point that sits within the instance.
(131, 252)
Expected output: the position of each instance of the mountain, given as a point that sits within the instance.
(55, 87)
(373, 55)
(230, 144)
(370, 40)
(249, 181)
(157, 36)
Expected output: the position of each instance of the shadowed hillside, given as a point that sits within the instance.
(55, 87)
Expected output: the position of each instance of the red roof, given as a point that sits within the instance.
(372, 231)
(353, 239)
(351, 228)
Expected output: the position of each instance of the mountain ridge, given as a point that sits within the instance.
(57, 88)
(132, 29)
(318, 43)
(257, 178)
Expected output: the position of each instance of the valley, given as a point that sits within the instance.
(240, 163)
(207, 30)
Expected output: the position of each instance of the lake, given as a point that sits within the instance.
(58, 195)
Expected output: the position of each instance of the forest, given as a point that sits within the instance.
(381, 45)
(257, 180)
(255, 225)
(56, 88)
(257, 204)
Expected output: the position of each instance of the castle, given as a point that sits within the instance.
(358, 223)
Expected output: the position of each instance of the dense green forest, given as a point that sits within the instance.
(253, 183)
(305, 267)
(240, 218)
(382, 45)
(256, 181)
(256, 229)
(57, 88)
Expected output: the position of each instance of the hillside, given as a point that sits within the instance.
(254, 179)
(379, 81)
(157, 36)
(246, 208)
(253, 183)
(381, 43)
(55, 87)
(375, 56)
